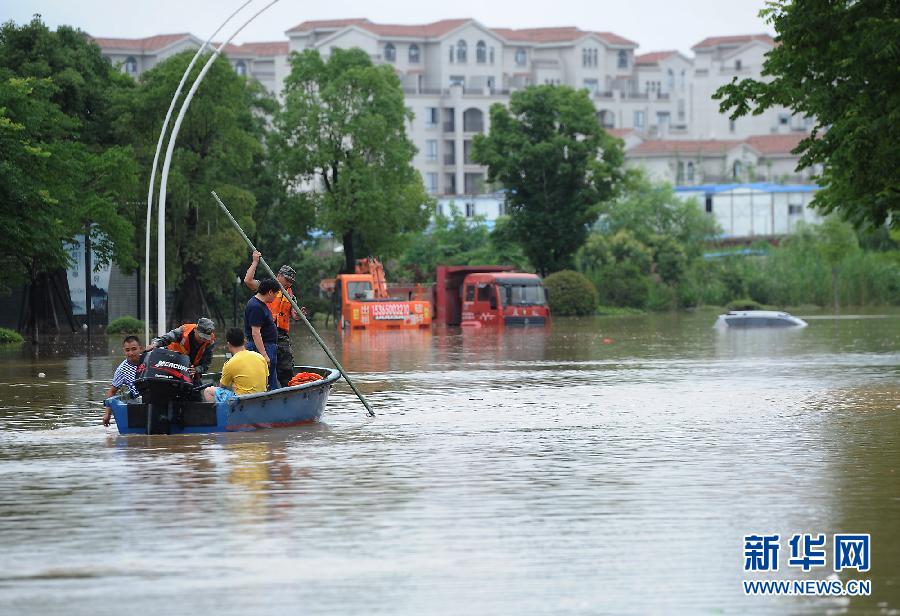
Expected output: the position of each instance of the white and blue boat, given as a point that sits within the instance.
(279, 408)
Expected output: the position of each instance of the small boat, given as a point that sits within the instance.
(280, 408)
(747, 319)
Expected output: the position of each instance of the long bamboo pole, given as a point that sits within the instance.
(294, 305)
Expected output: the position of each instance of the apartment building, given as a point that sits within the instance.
(452, 71)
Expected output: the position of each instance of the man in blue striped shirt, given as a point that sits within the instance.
(125, 373)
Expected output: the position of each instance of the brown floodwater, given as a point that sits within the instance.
(604, 465)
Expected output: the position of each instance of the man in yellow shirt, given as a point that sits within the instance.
(247, 372)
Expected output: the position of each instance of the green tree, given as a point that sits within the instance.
(457, 240)
(61, 165)
(548, 149)
(342, 135)
(837, 62)
(220, 147)
(837, 241)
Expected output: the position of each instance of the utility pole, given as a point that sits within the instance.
(87, 278)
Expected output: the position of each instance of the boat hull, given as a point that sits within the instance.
(281, 408)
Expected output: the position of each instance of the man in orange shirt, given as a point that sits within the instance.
(282, 314)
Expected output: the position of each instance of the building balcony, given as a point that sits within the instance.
(449, 159)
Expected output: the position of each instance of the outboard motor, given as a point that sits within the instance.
(164, 382)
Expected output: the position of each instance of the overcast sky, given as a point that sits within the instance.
(654, 24)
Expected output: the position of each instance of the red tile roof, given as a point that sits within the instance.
(266, 49)
(619, 132)
(433, 29)
(740, 39)
(439, 28)
(654, 57)
(149, 43)
(776, 144)
(558, 35)
(672, 146)
(767, 145)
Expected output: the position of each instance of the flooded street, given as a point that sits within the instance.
(605, 465)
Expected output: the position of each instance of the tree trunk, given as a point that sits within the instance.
(349, 256)
(188, 296)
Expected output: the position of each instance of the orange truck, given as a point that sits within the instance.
(365, 304)
(489, 295)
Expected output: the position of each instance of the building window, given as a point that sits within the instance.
(623, 58)
(467, 152)
(431, 150)
(449, 119)
(452, 53)
(795, 209)
(470, 209)
(131, 66)
(592, 86)
(709, 204)
(490, 84)
(457, 80)
(737, 169)
(449, 152)
(473, 120)
(474, 184)
(690, 172)
(521, 56)
(639, 119)
(681, 110)
(682, 80)
(492, 55)
(240, 68)
(431, 186)
(413, 54)
(671, 80)
(461, 52)
(390, 52)
(449, 183)
(737, 64)
(662, 119)
(501, 208)
(732, 126)
(784, 119)
(607, 118)
(480, 52)
(679, 172)
(431, 117)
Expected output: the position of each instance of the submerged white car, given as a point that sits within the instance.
(746, 319)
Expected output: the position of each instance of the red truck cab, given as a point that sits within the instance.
(503, 298)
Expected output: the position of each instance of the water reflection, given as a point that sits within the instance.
(514, 471)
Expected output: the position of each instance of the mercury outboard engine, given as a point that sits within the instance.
(164, 382)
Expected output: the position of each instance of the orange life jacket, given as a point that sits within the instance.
(183, 346)
(280, 307)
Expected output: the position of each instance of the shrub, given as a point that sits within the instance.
(125, 325)
(660, 297)
(744, 304)
(624, 284)
(571, 293)
(8, 336)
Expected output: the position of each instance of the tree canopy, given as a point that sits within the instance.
(221, 147)
(342, 134)
(556, 162)
(61, 165)
(837, 62)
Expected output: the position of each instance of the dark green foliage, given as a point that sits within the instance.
(644, 246)
(220, 147)
(837, 62)
(571, 294)
(548, 149)
(125, 325)
(60, 163)
(8, 336)
(342, 130)
(745, 304)
(457, 240)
